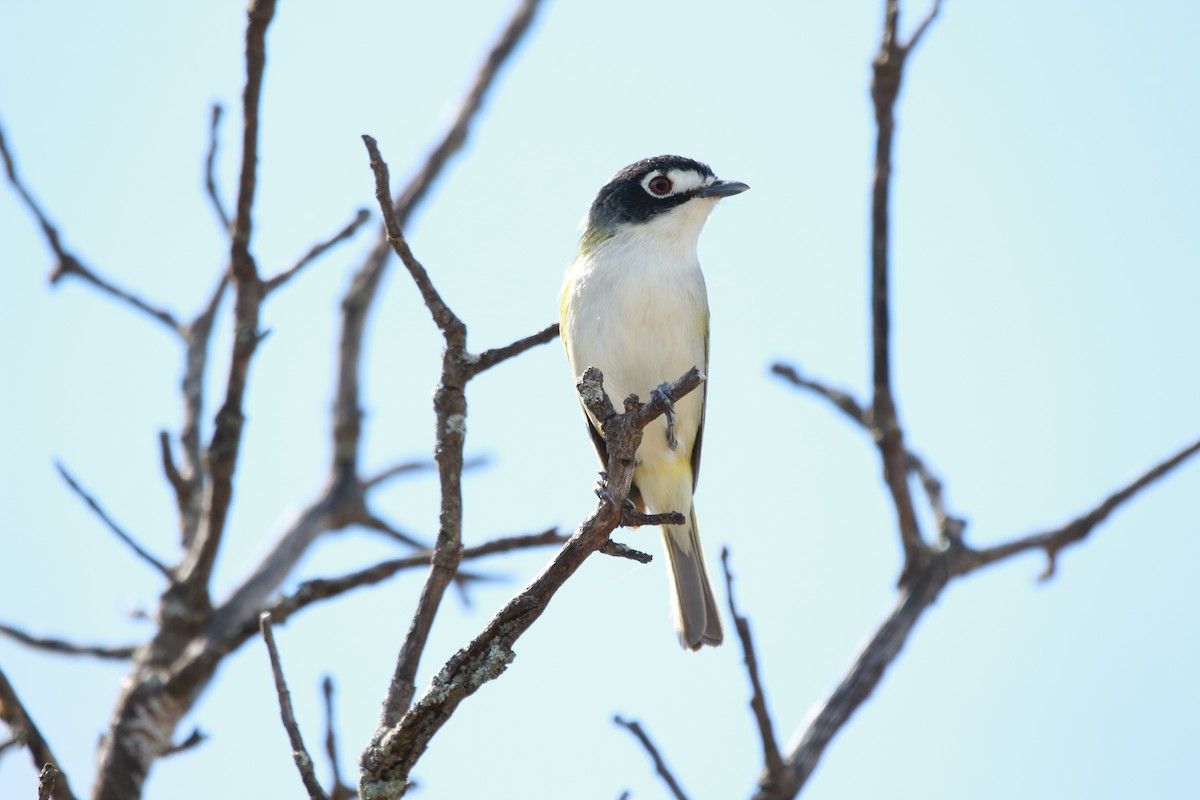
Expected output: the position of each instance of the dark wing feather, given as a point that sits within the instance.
(703, 410)
(635, 494)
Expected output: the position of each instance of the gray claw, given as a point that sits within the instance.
(660, 393)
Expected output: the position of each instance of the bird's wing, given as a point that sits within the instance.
(703, 408)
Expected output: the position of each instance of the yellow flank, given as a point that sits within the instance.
(676, 469)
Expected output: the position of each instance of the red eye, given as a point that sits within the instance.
(660, 185)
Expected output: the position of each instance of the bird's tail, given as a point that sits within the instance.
(697, 620)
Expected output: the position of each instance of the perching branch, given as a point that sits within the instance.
(395, 749)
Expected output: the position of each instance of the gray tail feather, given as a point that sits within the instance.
(697, 620)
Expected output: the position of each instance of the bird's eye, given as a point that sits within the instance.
(659, 185)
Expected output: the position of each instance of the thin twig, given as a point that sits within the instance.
(194, 739)
(68, 264)
(140, 551)
(841, 399)
(320, 589)
(635, 519)
(53, 645)
(660, 765)
(210, 180)
(443, 317)
(339, 790)
(369, 520)
(304, 762)
(456, 135)
(317, 250)
(406, 467)
(772, 761)
(490, 358)
(619, 550)
(1076, 530)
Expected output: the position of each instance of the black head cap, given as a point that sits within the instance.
(646, 188)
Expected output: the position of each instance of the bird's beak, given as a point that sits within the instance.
(722, 189)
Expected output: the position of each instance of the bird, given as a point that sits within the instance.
(634, 305)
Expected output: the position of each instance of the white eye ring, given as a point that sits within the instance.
(658, 184)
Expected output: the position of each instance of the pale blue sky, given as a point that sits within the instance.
(1046, 252)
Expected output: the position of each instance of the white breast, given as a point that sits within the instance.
(636, 308)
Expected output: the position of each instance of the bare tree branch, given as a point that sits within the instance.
(660, 765)
(222, 455)
(170, 672)
(317, 250)
(53, 782)
(210, 180)
(141, 552)
(300, 755)
(450, 407)
(68, 264)
(772, 761)
(951, 561)
(112, 652)
(888, 68)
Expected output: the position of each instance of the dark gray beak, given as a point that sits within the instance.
(721, 189)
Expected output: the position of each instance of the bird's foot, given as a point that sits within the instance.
(603, 494)
(660, 394)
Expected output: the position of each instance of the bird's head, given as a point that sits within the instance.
(667, 196)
